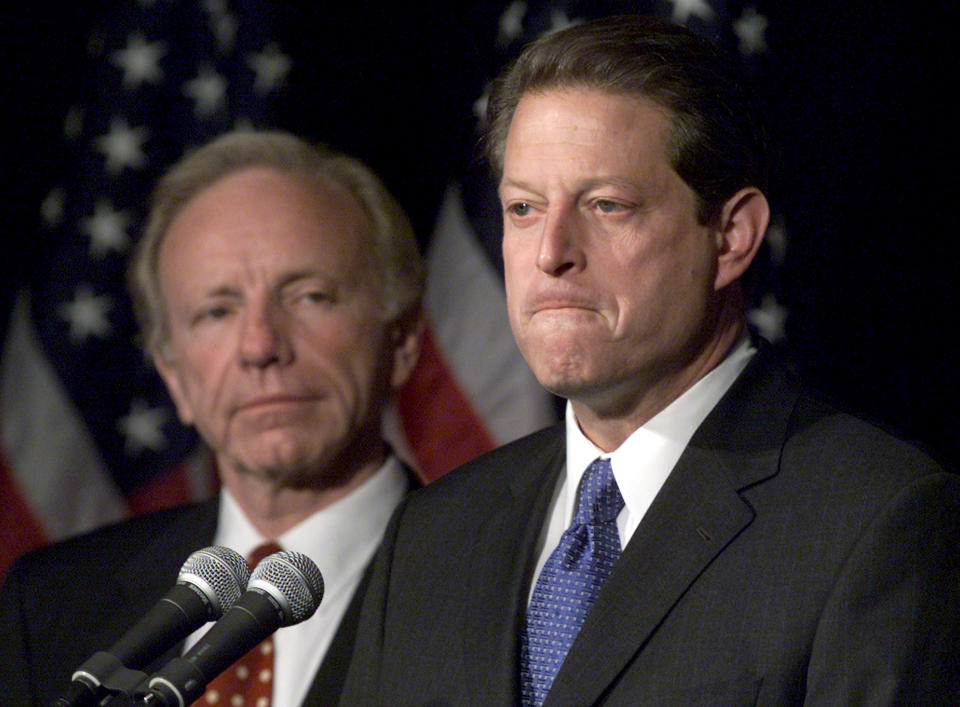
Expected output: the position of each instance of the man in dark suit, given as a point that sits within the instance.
(279, 289)
(699, 529)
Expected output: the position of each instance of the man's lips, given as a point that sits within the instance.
(556, 304)
(274, 400)
(553, 293)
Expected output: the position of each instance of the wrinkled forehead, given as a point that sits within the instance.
(266, 221)
(576, 130)
(644, 101)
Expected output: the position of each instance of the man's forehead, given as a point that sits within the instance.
(640, 98)
(268, 220)
(593, 127)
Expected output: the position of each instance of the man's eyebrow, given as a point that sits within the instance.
(611, 180)
(293, 276)
(591, 183)
(287, 278)
(222, 291)
(517, 183)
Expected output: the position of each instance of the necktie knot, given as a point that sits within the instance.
(600, 500)
(261, 551)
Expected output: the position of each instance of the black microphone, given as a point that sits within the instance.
(209, 583)
(284, 589)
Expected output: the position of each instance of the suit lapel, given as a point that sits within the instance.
(504, 545)
(328, 682)
(330, 677)
(696, 515)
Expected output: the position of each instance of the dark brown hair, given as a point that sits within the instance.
(716, 143)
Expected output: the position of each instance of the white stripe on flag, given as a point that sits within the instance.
(467, 305)
(51, 455)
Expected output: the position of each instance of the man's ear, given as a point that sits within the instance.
(171, 378)
(407, 336)
(740, 230)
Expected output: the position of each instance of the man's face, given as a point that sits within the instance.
(610, 279)
(277, 351)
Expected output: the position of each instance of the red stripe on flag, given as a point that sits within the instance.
(19, 528)
(440, 424)
(171, 488)
(177, 486)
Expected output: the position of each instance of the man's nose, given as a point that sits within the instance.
(561, 243)
(264, 338)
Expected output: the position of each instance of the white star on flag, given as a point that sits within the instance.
(87, 314)
(480, 106)
(123, 146)
(511, 22)
(751, 30)
(73, 123)
(271, 67)
(559, 21)
(684, 9)
(140, 61)
(142, 428)
(51, 208)
(208, 91)
(107, 229)
(222, 23)
(769, 318)
(225, 30)
(776, 238)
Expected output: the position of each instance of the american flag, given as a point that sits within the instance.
(87, 432)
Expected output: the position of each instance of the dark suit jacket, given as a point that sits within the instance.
(794, 555)
(64, 602)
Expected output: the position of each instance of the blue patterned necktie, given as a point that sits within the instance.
(570, 581)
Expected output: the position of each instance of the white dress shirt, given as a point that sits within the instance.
(642, 463)
(341, 539)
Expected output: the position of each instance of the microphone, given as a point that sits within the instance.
(284, 589)
(209, 583)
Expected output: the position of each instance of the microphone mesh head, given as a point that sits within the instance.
(220, 573)
(292, 579)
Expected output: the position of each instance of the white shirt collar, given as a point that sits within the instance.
(642, 463)
(341, 539)
(332, 537)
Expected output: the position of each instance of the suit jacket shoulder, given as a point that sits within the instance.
(774, 567)
(62, 602)
(65, 601)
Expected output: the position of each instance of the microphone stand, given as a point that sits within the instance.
(103, 680)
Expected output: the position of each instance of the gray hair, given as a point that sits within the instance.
(397, 259)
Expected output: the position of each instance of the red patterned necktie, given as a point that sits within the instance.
(249, 681)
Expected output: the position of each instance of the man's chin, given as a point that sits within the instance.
(287, 473)
(561, 373)
(280, 459)
(561, 385)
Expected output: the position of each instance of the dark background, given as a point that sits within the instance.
(860, 98)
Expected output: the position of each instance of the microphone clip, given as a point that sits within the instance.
(100, 679)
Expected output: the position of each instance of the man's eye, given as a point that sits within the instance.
(609, 207)
(215, 313)
(211, 314)
(521, 208)
(318, 296)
